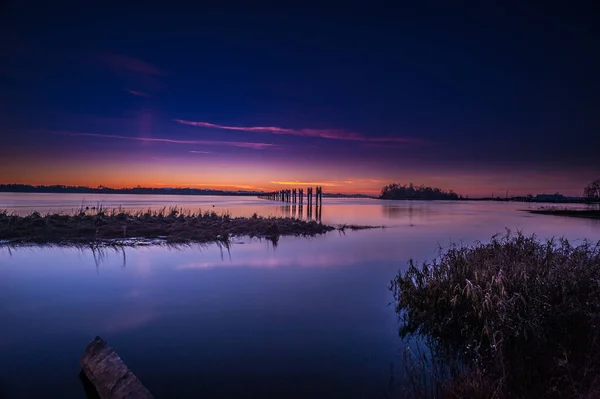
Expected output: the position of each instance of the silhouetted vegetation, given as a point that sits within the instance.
(554, 198)
(171, 225)
(578, 213)
(514, 318)
(396, 191)
(591, 192)
(24, 188)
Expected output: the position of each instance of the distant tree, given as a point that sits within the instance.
(395, 191)
(592, 191)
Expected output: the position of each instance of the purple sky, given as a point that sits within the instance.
(479, 101)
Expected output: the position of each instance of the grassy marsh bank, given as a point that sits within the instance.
(578, 213)
(513, 318)
(171, 225)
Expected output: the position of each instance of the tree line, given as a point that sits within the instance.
(396, 191)
(62, 189)
(591, 192)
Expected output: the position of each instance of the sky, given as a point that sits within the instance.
(480, 100)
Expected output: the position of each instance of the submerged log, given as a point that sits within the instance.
(109, 374)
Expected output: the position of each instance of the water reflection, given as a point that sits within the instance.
(298, 212)
(407, 210)
(199, 314)
(311, 314)
(100, 253)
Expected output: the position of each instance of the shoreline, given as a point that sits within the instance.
(172, 226)
(577, 213)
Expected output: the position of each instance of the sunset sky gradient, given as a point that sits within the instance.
(493, 100)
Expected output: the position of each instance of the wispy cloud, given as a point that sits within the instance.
(333, 134)
(200, 152)
(307, 183)
(328, 183)
(139, 93)
(121, 63)
(213, 185)
(369, 181)
(238, 186)
(239, 144)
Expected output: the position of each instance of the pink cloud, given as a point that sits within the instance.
(333, 134)
(239, 186)
(120, 63)
(139, 93)
(308, 183)
(360, 180)
(239, 144)
(329, 183)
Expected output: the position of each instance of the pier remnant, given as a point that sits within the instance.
(108, 373)
(296, 196)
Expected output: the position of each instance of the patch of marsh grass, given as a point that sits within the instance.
(516, 317)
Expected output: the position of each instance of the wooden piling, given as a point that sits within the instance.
(109, 374)
(296, 196)
(317, 195)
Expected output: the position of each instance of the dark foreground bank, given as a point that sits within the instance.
(514, 318)
(577, 213)
(172, 226)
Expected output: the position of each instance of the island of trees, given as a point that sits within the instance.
(396, 191)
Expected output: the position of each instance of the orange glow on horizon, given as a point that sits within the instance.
(264, 176)
(232, 184)
(306, 183)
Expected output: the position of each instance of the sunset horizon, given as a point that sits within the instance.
(344, 187)
(246, 108)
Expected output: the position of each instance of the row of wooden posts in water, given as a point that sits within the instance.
(296, 196)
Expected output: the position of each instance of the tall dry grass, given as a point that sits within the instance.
(513, 318)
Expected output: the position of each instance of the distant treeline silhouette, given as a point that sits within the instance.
(25, 188)
(591, 192)
(396, 191)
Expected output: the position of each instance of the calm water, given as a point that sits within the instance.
(309, 318)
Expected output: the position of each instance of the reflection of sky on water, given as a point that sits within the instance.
(310, 314)
(334, 211)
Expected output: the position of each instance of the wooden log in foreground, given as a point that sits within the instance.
(109, 374)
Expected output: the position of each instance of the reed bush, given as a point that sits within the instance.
(513, 318)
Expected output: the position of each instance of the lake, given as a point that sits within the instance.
(307, 318)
